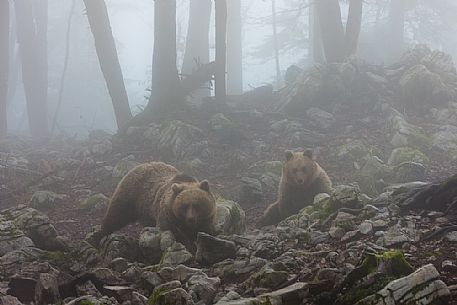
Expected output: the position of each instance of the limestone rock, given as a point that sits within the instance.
(230, 217)
(211, 250)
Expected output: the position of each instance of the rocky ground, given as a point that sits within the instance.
(382, 134)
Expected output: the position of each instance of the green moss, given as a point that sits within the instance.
(57, 257)
(154, 297)
(399, 266)
(408, 154)
(356, 294)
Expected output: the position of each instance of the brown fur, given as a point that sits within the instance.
(157, 194)
(302, 179)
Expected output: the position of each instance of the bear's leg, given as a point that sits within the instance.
(270, 217)
(117, 217)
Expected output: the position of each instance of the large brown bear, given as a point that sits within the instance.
(302, 179)
(157, 194)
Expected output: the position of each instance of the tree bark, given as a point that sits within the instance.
(221, 50)
(197, 42)
(105, 46)
(4, 64)
(32, 38)
(353, 26)
(14, 59)
(332, 30)
(165, 93)
(234, 48)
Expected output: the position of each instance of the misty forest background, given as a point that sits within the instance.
(70, 67)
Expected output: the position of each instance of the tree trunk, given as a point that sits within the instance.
(332, 31)
(14, 59)
(97, 15)
(234, 48)
(166, 96)
(221, 49)
(353, 26)
(315, 40)
(4, 64)
(197, 42)
(276, 44)
(396, 30)
(32, 38)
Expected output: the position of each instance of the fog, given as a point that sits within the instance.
(86, 104)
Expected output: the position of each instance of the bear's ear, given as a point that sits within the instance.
(177, 188)
(204, 185)
(289, 155)
(309, 153)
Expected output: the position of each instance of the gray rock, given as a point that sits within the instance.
(451, 236)
(204, 288)
(177, 296)
(45, 200)
(421, 287)
(230, 217)
(36, 226)
(366, 227)
(175, 255)
(119, 264)
(241, 267)
(407, 154)
(250, 191)
(211, 250)
(11, 238)
(177, 137)
(320, 118)
(149, 244)
(399, 235)
(9, 300)
(409, 172)
(352, 151)
(47, 289)
(118, 245)
(123, 167)
(95, 202)
(102, 148)
(120, 293)
(445, 140)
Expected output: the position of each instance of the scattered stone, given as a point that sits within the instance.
(95, 202)
(45, 200)
(211, 250)
(366, 228)
(230, 217)
(203, 287)
(407, 154)
(47, 289)
(320, 118)
(451, 236)
(175, 255)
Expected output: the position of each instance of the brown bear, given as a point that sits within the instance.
(157, 194)
(302, 179)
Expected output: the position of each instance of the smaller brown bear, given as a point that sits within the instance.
(157, 194)
(302, 179)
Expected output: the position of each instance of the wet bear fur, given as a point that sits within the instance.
(157, 194)
(302, 178)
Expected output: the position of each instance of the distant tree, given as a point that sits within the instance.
(32, 23)
(197, 42)
(4, 64)
(234, 48)
(396, 29)
(105, 46)
(221, 49)
(314, 34)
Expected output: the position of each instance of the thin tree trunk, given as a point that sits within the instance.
(4, 64)
(31, 32)
(276, 44)
(353, 26)
(105, 46)
(234, 48)
(165, 90)
(396, 29)
(221, 49)
(65, 65)
(332, 30)
(197, 42)
(315, 40)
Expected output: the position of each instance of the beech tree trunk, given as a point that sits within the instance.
(197, 42)
(105, 46)
(234, 48)
(332, 30)
(166, 95)
(4, 64)
(32, 38)
(353, 26)
(221, 50)
(14, 59)
(276, 44)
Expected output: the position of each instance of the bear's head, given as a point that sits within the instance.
(193, 203)
(299, 168)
